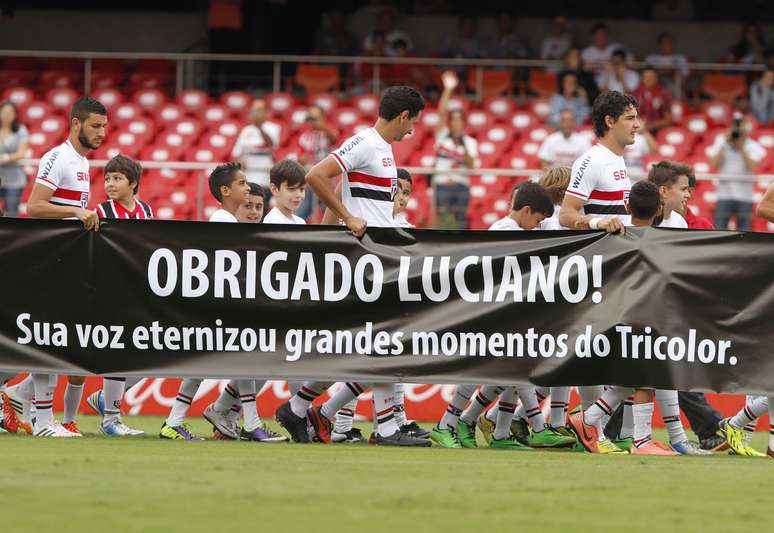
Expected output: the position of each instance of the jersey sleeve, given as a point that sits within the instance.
(352, 154)
(100, 211)
(50, 171)
(583, 178)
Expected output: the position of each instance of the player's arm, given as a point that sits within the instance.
(39, 206)
(319, 179)
(329, 217)
(766, 206)
(570, 216)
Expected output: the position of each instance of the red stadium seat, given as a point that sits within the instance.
(149, 100)
(697, 124)
(526, 147)
(61, 98)
(169, 114)
(217, 142)
(237, 103)
(40, 143)
(280, 104)
(477, 121)
(167, 210)
(143, 128)
(345, 118)
(724, 87)
(677, 136)
(540, 107)
(500, 108)
(18, 71)
(523, 121)
(172, 139)
(60, 80)
(315, 79)
(54, 125)
(34, 113)
(538, 133)
(542, 83)
(125, 113)
(21, 97)
(328, 102)
(161, 153)
(678, 110)
(189, 128)
(429, 119)
(765, 137)
(367, 105)
(214, 114)
(193, 101)
(228, 128)
(109, 97)
(457, 103)
(200, 154)
(498, 134)
(718, 113)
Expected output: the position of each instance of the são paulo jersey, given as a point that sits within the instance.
(112, 209)
(599, 177)
(66, 172)
(505, 224)
(370, 177)
(275, 216)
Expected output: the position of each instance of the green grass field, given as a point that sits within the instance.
(145, 484)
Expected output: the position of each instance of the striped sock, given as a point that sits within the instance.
(44, 399)
(345, 417)
(481, 400)
(347, 392)
(670, 414)
(560, 400)
(532, 412)
(598, 414)
(754, 408)
(185, 396)
(384, 403)
(589, 395)
(400, 407)
(462, 394)
(505, 409)
(642, 413)
(113, 389)
(627, 421)
(228, 396)
(308, 392)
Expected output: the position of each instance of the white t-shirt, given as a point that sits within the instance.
(505, 224)
(552, 223)
(370, 177)
(254, 152)
(733, 163)
(630, 82)
(452, 155)
(675, 220)
(221, 215)
(634, 154)
(560, 150)
(672, 60)
(596, 59)
(401, 221)
(600, 178)
(66, 172)
(275, 216)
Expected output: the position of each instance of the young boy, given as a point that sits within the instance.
(122, 182)
(674, 187)
(252, 210)
(402, 196)
(287, 183)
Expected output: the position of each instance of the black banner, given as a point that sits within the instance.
(688, 310)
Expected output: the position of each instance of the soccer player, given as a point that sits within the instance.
(252, 210)
(61, 191)
(367, 198)
(228, 185)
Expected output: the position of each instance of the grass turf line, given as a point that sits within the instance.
(145, 484)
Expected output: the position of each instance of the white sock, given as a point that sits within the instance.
(44, 399)
(529, 400)
(627, 422)
(485, 395)
(643, 423)
(345, 417)
(599, 413)
(400, 407)
(347, 392)
(491, 413)
(589, 395)
(754, 408)
(113, 388)
(307, 393)
(228, 396)
(505, 408)
(72, 401)
(560, 400)
(25, 389)
(294, 387)
(185, 396)
(384, 403)
(462, 394)
(249, 408)
(670, 414)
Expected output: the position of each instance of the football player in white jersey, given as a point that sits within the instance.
(369, 182)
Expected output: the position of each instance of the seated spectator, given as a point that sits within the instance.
(597, 55)
(563, 147)
(13, 145)
(751, 45)
(654, 103)
(571, 97)
(666, 57)
(385, 25)
(558, 42)
(333, 38)
(617, 76)
(572, 63)
(507, 43)
(635, 154)
(454, 149)
(762, 98)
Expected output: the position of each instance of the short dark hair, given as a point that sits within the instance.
(609, 104)
(126, 166)
(223, 175)
(396, 100)
(288, 171)
(15, 124)
(256, 190)
(598, 26)
(533, 195)
(644, 199)
(666, 173)
(619, 52)
(85, 106)
(663, 36)
(404, 175)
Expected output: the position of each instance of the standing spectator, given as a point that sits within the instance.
(507, 43)
(563, 147)
(617, 76)
(571, 97)
(386, 26)
(558, 42)
(654, 102)
(314, 143)
(333, 38)
(736, 154)
(597, 54)
(573, 64)
(762, 98)
(454, 150)
(13, 146)
(255, 145)
(751, 45)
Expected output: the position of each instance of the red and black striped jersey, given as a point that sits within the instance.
(112, 209)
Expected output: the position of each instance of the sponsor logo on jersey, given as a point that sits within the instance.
(49, 165)
(349, 146)
(576, 180)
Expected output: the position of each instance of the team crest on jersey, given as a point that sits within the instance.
(393, 188)
(84, 199)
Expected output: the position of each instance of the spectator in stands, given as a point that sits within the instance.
(404, 74)
(735, 154)
(635, 154)
(597, 55)
(666, 58)
(385, 25)
(463, 44)
(333, 38)
(654, 103)
(572, 63)
(454, 149)
(507, 43)
(255, 145)
(13, 146)
(315, 142)
(559, 41)
(762, 97)
(378, 48)
(563, 147)
(571, 97)
(751, 45)
(617, 76)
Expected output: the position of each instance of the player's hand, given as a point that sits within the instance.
(356, 225)
(449, 80)
(612, 225)
(90, 219)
